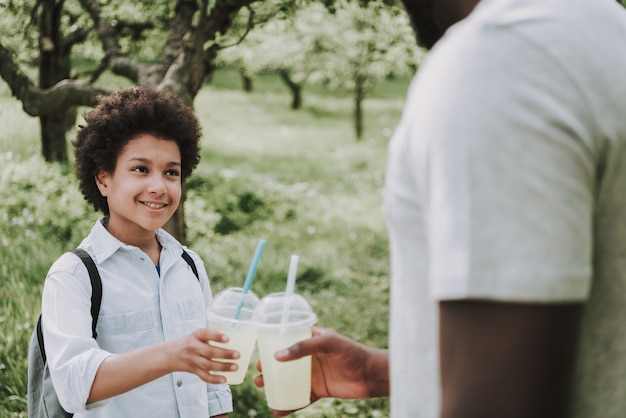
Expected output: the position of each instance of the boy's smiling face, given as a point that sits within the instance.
(144, 190)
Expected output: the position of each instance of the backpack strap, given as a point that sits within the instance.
(185, 255)
(96, 298)
(42, 350)
(96, 287)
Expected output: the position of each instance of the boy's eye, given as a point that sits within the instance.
(172, 172)
(140, 169)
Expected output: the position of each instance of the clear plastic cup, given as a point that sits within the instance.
(281, 321)
(241, 331)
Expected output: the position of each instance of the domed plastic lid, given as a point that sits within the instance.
(277, 309)
(228, 303)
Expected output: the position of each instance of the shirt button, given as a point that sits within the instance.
(179, 383)
(142, 259)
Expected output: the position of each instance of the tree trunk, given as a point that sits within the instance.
(176, 224)
(53, 135)
(193, 64)
(54, 66)
(358, 109)
(296, 97)
(247, 82)
(294, 88)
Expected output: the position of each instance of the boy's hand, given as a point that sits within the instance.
(192, 353)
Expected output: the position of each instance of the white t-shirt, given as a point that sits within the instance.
(506, 181)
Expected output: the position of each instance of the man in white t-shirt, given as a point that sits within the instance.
(505, 197)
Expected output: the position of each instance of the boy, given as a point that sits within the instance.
(151, 356)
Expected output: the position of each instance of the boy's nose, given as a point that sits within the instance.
(157, 185)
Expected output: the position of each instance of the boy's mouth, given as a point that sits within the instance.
(155, 205)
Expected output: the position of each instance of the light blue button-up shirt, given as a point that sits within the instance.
(139, 308)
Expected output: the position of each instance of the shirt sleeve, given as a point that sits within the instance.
(507, 173)
(220, 399)
(72, 353)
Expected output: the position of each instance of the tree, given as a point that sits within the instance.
(55, 66)
(55, 98)
(365, 44)
(285, 45)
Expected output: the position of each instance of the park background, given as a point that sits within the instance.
(297, 103)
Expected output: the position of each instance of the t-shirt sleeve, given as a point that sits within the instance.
(508, 176)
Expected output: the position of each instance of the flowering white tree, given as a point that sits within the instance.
(287, 46)
(367, 44)
(349, 47)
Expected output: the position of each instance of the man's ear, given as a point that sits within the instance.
(102, 181)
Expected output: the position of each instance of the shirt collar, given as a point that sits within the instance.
(104, 245)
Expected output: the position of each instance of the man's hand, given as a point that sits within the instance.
(341, 367)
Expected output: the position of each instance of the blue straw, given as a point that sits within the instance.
(250, 276)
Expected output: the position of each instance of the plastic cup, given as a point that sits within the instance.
(241, 331)
(281, 321)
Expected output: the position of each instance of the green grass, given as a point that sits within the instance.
(296, 178)
(19, 136)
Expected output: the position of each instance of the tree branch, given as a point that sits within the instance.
(118, 62)
(64, 94)
(249, 25)
(75, 37)
(38, 102)
(180, 25)
(18, 82)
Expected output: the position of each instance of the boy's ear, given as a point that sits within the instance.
(102, 181)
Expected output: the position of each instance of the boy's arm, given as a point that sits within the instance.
(506, 359)
(191, 353)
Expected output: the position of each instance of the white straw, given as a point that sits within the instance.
(291, 277)
(291, 284)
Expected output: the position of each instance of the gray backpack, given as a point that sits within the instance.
(42, 398)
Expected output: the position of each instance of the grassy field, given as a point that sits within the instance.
(296, 178)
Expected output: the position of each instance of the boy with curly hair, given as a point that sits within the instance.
(151, 356)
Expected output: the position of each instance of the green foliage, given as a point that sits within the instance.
(41, 215)
(237, 206)
(41, 199)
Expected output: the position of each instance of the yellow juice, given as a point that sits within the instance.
(287, 384)
(242, 339)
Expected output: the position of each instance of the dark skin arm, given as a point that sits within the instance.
(505, 359)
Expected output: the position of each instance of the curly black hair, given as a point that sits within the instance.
(122, 116)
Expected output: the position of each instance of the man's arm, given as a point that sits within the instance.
(506, 359)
